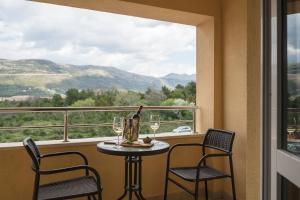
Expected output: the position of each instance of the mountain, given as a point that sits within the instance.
(174, 79)
(35, 77)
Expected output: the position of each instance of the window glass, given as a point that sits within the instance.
(293, 78)
(289, 191)
(59, 56)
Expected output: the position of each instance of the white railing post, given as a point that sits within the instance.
(66, 138)
(194, 120)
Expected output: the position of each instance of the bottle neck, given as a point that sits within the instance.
(137, 114)
(140, 109)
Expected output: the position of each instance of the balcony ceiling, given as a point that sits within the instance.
(147, 9)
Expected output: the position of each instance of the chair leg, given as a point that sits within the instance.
(233, 188)
(100, 195)
(166, 185)
(232, 178)
(206, 190)
(196, 190)
(166, 190)
(91, 197)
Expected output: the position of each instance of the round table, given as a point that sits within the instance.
(133, 160)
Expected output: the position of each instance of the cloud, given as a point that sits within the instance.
(293, 51)
(293, 31)
(293, 54)
(78, 36)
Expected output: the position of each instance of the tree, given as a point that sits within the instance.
(190, 90)
(57, 100)
(89, 102)
(84, 94)
(175, 102)
(127, 99)
(41, 102)
(72, 95)
(166, 91)
(179, 92)
(153, 97)
(107, 98)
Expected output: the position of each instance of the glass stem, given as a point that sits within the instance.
(118, 140)
(154, 134)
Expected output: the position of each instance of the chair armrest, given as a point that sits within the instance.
(65, 169)
(184, 145)
(73, 168)
(212, 155)
(66, 153)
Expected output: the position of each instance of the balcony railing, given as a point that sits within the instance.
(293, 118)
(67, 111)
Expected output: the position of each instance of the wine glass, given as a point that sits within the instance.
(154, 123)
(118, 127)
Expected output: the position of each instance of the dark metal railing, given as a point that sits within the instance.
(296, 110)
(67, 110)
(294, 124)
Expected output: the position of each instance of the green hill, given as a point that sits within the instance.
(45, 78)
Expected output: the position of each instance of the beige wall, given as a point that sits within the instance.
(253, 173)
(17, 178)
(228, 72)
(235, 91)
(241, 67)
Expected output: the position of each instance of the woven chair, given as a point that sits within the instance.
(83, 186)
(216, 139)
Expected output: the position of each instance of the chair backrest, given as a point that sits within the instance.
(33, 151)
(219, 139)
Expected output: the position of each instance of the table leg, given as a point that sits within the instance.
(126, 179)
(140, 179)
(130, 178)
(135, 177)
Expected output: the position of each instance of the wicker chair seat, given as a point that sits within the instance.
(81, 186)
(205, 173)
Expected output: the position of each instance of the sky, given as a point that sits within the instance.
(293, 30)
(31, 30)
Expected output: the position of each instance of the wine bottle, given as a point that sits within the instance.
(137, 114)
